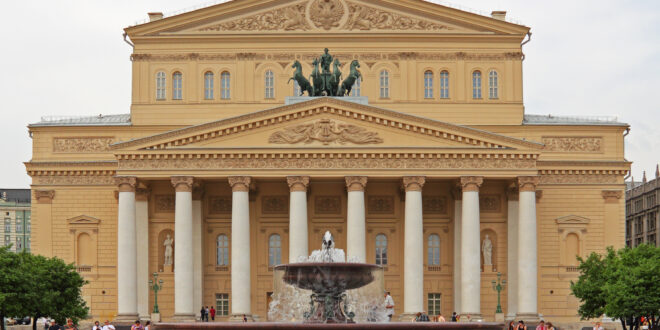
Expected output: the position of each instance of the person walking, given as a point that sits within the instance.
(389, 306)
(207, 312)
(454, 317)
(212, 313)
(201, 314)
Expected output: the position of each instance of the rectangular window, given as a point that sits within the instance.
(7, 226)
(19, 244)
(222, 304)
(651, 240)
(19, 227)
(160, 86)
(444, 85)
(7, 240)
(428, 85)
(434, 303)
(177, 86)
(384, 85)
(208, 86)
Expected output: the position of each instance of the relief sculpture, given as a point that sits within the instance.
(288, 19)
(368, 18)
(325, 131)
(573, 143)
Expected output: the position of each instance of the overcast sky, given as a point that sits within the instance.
(586, 57)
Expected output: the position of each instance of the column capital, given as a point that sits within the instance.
(356, 183)
(527, 183)
(413, 183)
(182, 183)
(471, 183)
(611, 196)
(44, 196)
(240, 183)
(126, 183)
(142, 192)
(512, 192)
(297, 183)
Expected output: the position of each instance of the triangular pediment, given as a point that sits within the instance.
(327, 123)
(83, 220)
(324, 16)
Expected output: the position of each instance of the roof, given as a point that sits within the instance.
(572, 120)
(15, 195)
(100, 120)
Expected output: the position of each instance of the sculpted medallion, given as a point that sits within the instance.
(326, 131)
(326, 14)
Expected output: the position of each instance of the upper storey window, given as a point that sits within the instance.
(208, 86)
(381, 250)
(492, 84)
(428, 85)
(444, 84)
(160, 85)
(476, 84)
(225, 85)
(274, 250)
(384, 84)
(433, 250)
(269, 85)
(357, 87)
(177, 86)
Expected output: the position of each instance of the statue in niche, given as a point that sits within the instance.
(487, 250)
(168, 250)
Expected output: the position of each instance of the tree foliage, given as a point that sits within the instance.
(624, 284)
(36, 286)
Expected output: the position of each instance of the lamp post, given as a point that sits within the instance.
(156, 285)
(498, 286)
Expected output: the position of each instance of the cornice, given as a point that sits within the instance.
(583, 163)
(326, 106)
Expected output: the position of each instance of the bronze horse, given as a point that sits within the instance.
(301, 80)
(347, 84)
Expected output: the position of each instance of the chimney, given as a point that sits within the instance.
(657, 171)
(498, 14)
(155, 16)
(644, 177)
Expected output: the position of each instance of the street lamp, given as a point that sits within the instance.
(156, 285)
(498, 286)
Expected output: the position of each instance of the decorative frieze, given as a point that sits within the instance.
(490, 203)
(380, 204)
(434, 204)
(164, 203)
(283, 19)
(74, 180)
(367, 18)
(356, 183)
(220, 204)
(579, 178)
(297, 183)
(327, 205)
(573, 143)
(275, 205)
(325, 131)
(413, 183)
(471, 183)
(82, 144)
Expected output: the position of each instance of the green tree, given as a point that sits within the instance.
(51, 289)
(623, 284)
(10, 305)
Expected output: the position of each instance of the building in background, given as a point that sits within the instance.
(642, 211)
(15, 213)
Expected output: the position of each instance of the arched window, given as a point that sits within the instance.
(269, 85)
(160, 85)
(476, 85)
(356, 90)
(177, 86)
(296, 88)
(381, 250)
(444, 84)
(225, 85)
(428, 85)
(208, 86)
(222, 250)
(492, 84)
(274, 250)
(434, 250)
(384, 84)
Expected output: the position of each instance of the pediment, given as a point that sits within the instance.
(323, 16)
(572, 220)
(83, 220)
(327, 123)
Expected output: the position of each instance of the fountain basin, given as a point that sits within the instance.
(294, 326)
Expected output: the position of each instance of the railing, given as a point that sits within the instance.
(433, 268)
(84, 269)
(572, 269)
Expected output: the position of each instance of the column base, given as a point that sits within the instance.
(470, 317)
(184, 318)
(528, 318)
(126, 318)
(239, 318)
(407, 317)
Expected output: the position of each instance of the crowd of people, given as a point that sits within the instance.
(207, 312)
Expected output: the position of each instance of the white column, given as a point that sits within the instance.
(240, 247)
(356, 245)
(198, 270)
(527, 255)
(470, 250)
(183, 249)
(458, 211)
(512, 254)
(142, 233)
(413, 251)
(298, 235)
(126, 247)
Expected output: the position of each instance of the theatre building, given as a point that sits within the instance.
(430, 166)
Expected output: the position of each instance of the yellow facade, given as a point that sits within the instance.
(580, 162)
